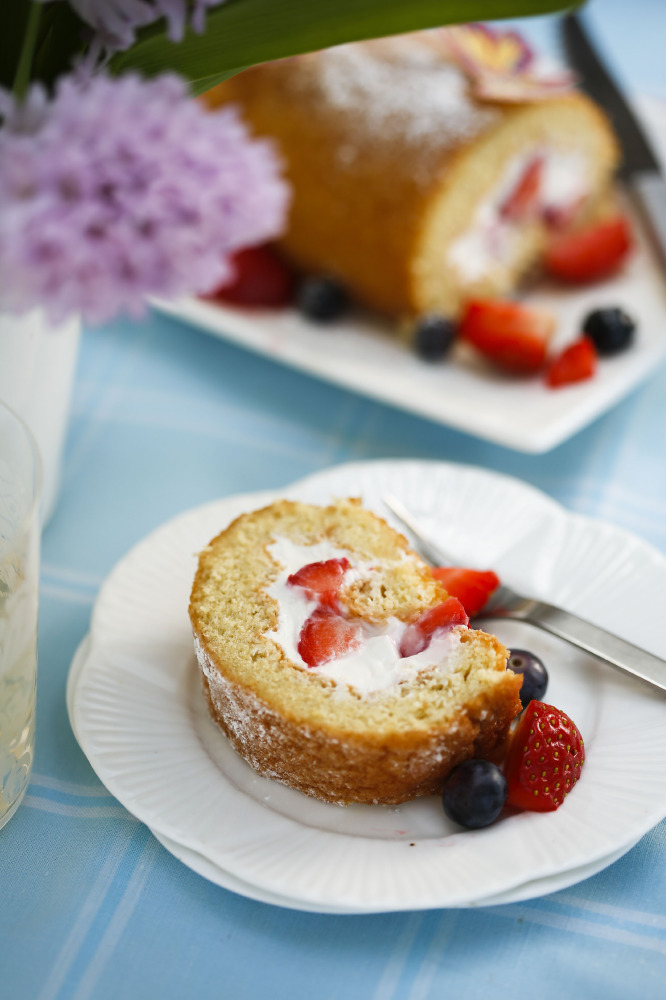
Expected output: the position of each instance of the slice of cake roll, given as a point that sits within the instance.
(334, 661)
(410, 189)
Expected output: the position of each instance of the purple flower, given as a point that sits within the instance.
(115, 21)
(123, 188)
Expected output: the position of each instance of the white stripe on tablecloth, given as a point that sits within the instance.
(616, 912)
(87, 914)
(119, 920)
(577, 925)
(399, 954)
(69, 787)
(77, 812)
(68, 575)
(60, 592)
(432, 960)
(230, 423)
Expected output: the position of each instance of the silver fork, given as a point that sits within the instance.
(506, 603)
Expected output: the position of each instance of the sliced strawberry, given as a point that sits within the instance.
(512, 335)
(326, 636)
(261, 278)
(576, 363)
(525, 194)
(545, 758)
(441, 618)
(321, 578)
(590, 253)
(472, 587)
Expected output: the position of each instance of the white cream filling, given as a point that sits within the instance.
(490, 238)
(376, 664)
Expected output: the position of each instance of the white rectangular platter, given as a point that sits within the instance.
(364, 354)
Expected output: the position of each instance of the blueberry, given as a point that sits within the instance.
(535, 675)
(322, 299)
(433, 337)
(474, 793)
(611, 330)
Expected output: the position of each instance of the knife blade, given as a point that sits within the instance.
(640, 169)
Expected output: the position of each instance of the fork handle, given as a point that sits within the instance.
(599, 643)
(596, 641)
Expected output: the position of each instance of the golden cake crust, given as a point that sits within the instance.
(301, 728)
(389, 155)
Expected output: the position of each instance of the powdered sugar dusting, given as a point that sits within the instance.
(320, 762)
(396, 87)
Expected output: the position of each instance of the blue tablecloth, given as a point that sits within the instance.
(165, 418)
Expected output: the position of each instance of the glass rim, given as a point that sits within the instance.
(32, 512)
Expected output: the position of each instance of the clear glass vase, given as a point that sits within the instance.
(37, 368)
(20, 483)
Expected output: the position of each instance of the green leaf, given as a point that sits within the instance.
(241, 33)
(13, 21)
(61, 40)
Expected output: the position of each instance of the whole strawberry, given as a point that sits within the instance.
(544, 759)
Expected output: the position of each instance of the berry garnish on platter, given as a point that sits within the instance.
(575, 363)
(474, 794)
(544, 759)
(610, 329)
(535, 675)
(472, 587)
(433, 337)
(322, 299)
(515, 337)
(261, 279)
(512, 335)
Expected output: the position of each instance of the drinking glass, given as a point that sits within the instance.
(20, 488)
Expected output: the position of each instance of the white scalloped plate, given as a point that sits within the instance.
(530, 890)
(140, 717)
(207, 869)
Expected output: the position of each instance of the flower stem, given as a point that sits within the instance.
(22, 77)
